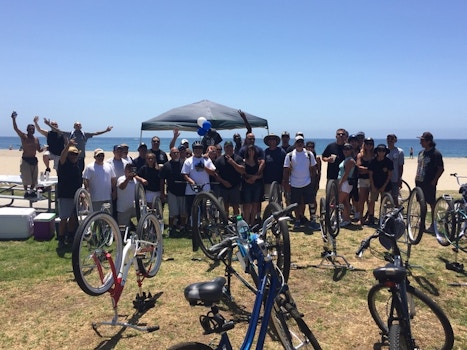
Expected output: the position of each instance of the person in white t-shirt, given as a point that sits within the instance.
(299, 166)
(196, 170)
(100, 181)
(126, 185)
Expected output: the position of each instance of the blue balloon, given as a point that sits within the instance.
(207, 125)
(202, 132)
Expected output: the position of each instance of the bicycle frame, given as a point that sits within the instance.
(130, 248)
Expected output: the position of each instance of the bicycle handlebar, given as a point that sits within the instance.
(366, 243)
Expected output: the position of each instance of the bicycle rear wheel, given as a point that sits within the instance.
(443, 221)
(404, 194)
(288, 325)
(416, 213)
(332, 216)
(83, 204)
(141, 205)
(97, 250)
(278, 240)
(208, 219)
(387, 204)
(431, 328)
(460, 227)
(158, 210)
(275, 193)
(150, 249)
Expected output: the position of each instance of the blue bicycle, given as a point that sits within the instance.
(274, 306)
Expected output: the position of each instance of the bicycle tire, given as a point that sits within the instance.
(190, 346)
(397, 338)
(288, 325)
(83, 204)
(97, 236)
(275, 193)
(332, 216)
(460, 224)
(425, 315)
(150, 245)
(208, 219)
(387, 204)
(443, 221)
(416, 213)
(141, 204)
(404, 193)
(278, 240)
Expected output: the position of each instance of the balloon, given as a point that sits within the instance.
(207, 125)
(202, 132)
(200, 121)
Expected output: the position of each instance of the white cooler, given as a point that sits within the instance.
(16, 223)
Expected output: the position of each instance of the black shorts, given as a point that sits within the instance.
(429, 192)
(304, 195)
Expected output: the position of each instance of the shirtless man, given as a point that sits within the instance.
(28, 167)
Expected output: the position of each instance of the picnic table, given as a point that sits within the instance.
(10, 185)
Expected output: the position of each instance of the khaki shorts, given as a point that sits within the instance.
(29, 173)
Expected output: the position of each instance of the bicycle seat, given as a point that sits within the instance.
(205, 293)
(390, 273)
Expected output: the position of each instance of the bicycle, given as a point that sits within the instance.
(275, 193)
(273, 297)
(333, 212)
(101, 259)
(450, 221)
(407, 318)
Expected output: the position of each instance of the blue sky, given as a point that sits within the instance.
(311, 66)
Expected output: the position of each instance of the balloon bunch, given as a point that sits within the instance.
(204, 126)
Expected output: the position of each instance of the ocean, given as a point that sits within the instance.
(452, 148)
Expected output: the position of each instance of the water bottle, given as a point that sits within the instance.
(41, 176)
(242, 227)
(46, 175)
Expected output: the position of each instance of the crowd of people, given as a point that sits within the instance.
(239, 171)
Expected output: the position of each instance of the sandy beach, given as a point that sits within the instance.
(451, 165)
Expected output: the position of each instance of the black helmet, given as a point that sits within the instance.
(197, 144)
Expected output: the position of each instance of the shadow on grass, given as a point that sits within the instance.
(114, 339)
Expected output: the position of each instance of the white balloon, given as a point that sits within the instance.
(200, 121)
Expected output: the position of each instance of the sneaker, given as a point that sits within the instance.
(303, 220)
(430, 229)
(370, 221)
(314, 226)
(296, 226)
(344, 223)
(61, 242)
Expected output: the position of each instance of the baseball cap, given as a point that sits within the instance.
(427, 136)
(116, 147)
(228, 143)
(347, 146)
(383, 147)
(352, 137)
(299, 133)
(142, 145)
(285, 133)
(98, 151)
(360, 134)
(182, 148)
(299, 137)
(124, 145)
(184, 141)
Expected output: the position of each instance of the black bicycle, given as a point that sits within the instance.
(406, 317)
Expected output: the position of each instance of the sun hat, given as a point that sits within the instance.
(271, 136)
(98, 151)
(383, 147)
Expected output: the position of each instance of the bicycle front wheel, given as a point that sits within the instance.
(190, 346)
(208, 219)
(416, 213)
(83, 204)
(278, 240)
(404, 193)
(96, 253)
(387, 204)
(332, 216)
(141, 205)
(443, 221)
(431, 328)
(398, 339)
(150, 247)
(288, 325)
(275, 193)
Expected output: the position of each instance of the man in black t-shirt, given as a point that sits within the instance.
(229, 168)
(55, 143)
(333, 154)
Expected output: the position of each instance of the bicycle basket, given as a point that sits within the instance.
(394, 226)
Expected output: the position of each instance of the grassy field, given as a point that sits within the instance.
(43, 307)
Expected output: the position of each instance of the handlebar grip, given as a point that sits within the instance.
(284, 211)
(363, 246)
(226, 244)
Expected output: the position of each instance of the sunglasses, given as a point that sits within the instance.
(340, 134)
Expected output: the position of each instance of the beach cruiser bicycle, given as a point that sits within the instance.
(273, 306)
(450, 221)
(407, 318)
(103, 254)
